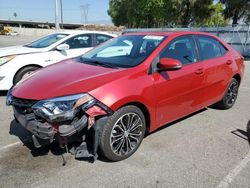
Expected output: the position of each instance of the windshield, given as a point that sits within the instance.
(124, 51)
(46, 41)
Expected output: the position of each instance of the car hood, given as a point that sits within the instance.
(17, 50)
(64, 78)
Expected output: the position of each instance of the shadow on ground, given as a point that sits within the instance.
(243, 134)
(3, 93)
(26, 138)
(177, 121)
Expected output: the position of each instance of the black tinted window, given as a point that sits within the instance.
(102, 38)
(80, 41)
(210, 48)
(182, 49)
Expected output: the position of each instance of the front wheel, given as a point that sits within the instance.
(123, 133)
(230, 95)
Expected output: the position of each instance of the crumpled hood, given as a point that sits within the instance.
(18, 50)
(65, 78)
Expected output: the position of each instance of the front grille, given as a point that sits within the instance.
(22, 102)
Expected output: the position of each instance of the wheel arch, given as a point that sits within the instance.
(144, 110)
(237, 77)
(30, 65)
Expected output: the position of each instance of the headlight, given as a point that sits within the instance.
(6, 59)
(62, 108)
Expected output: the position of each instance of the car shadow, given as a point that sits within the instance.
(26, 138)
(3, 93)
(176, 121)
(243, 134)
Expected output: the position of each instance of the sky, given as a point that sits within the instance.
(44, 10)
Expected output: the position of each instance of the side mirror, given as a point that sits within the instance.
(62, 47)
(168, 64)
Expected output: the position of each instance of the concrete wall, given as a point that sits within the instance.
(32, 31)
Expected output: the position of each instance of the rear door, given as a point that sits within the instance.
(217, 63)
(80, 44)
(179, 92)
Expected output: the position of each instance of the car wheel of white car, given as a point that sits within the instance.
(24, 72)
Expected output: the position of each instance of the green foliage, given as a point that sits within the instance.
(237, 9)
(160, 13)
(216, 18)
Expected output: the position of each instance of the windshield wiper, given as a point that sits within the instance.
(103, 64)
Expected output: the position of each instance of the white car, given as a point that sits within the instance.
(18, 62)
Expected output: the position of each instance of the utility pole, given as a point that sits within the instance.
(61, 3)
(56, 15)
(85, 10)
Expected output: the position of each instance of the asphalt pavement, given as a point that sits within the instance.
(207, 149)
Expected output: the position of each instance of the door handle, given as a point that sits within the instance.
(229, 62)
(199, 71)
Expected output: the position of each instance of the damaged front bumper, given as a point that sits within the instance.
(83, 128)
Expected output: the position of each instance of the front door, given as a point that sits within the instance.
(179, 92)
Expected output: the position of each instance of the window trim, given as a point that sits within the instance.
(195, 43)
(95, 38)
(213, 38)
(92, 41)
(153, 66)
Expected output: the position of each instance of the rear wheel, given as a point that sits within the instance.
(24, 72)
(123, 133)
(230, 95)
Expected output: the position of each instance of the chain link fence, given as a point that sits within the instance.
(238, 37)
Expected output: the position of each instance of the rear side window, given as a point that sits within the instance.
(210, 48)
(80, 41)
(102, 38)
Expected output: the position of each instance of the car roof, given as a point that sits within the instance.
(77, 32)
(169, 33)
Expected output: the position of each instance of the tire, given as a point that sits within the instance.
(119, 141)
(21, 73)
(230, 95)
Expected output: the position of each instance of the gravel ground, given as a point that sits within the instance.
(202, 150)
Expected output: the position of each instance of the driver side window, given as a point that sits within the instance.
(182, 49)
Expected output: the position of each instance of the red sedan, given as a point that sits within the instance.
(108, 98)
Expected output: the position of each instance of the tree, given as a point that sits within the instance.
(155, 13)
(190, 11)
(217, 18)
(236, 10)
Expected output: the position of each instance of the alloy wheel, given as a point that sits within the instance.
(232, 93)
(126, 134)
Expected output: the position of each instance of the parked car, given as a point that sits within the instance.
(114, 99)
(19, 61)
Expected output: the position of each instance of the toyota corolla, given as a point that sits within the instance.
(108, 98)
